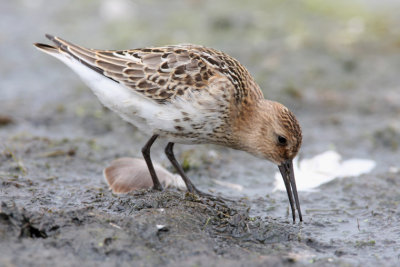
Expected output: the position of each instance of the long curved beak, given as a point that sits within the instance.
(286, 169)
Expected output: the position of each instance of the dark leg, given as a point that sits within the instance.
(170, 154)
(146, 156)
(191, 188)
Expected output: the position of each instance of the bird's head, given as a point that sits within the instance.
(280, 134)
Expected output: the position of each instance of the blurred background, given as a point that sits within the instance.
(335, 64)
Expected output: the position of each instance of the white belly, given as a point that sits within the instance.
(169, 120)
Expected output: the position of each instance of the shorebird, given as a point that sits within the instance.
(188, 94)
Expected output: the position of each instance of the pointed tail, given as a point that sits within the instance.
(48, 48)
(64, 49)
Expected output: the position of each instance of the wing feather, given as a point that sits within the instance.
(165, 73)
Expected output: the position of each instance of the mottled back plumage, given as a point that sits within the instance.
(163, 73)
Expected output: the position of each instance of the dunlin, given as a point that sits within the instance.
(188, 94)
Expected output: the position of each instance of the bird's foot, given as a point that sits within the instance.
(206, 196)
(157, 187)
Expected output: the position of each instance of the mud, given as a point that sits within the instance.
(336, 66)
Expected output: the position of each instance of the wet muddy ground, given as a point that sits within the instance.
(336, 66)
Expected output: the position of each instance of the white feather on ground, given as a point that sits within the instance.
(323, 168)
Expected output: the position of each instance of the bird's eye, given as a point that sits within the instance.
(282, 140)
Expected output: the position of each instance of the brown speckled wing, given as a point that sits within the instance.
(164, 73)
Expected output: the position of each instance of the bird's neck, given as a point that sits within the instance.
(250, 123)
